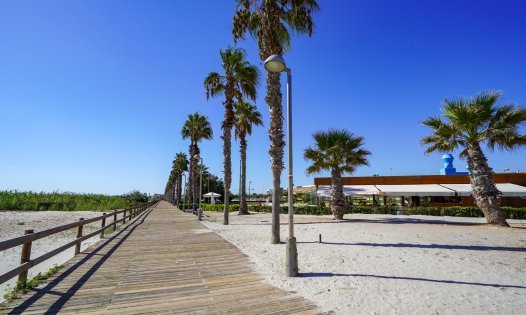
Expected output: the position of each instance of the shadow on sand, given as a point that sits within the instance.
(428, 246)
(65, 296)
(330, 274)
(394, 220)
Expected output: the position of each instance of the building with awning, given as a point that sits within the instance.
(438, 188)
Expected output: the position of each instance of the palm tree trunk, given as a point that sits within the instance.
(486, 194)
(337, 196)
(277, 143)
(227, 150)
(227, 144)
(243, 209)
(195, 175)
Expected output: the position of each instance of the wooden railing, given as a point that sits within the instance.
(25, 260)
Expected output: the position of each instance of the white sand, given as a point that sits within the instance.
(14, 223)
(383, 264)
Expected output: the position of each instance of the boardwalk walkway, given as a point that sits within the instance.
(165, 263)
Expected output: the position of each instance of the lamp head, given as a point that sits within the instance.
(275, 63)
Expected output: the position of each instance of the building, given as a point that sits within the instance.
(452, 188)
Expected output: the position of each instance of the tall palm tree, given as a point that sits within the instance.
(196, 128)
(246, 116)
(339, 151)
(468, 124)
(180, 165)
(271, 23)
(240, 78)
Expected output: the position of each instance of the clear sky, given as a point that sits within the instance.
(93, 94)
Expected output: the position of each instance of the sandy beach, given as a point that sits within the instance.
(14, 223)
(383, 264)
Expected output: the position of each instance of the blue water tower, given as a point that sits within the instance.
(448, 165)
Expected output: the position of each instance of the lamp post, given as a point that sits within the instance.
(249, 183)
(200, 211)
(276, 63)
(186, 190)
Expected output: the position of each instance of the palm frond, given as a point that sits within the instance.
(214, 84)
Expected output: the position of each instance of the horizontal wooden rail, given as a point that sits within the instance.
(26, 240)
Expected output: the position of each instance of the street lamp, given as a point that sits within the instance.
(276, 63)
(185, 191)
(200, 212)
(249, 190)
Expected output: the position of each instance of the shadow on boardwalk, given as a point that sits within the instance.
(64, 297)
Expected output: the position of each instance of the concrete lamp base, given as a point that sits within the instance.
(292, 257)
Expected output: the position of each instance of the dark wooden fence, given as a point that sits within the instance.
(25, 260)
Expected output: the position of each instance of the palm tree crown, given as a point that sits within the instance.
(196, 128)
(240, 78)
(476, 121)
(271, 22)
(336, 149)
(247, 116)
(180, 163)
(339, 151)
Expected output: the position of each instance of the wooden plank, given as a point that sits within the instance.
(161, 263)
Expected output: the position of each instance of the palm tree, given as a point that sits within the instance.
(240, 78)
(196, 128)
(339, 151)
(168, 190)
(468, 124)
(271, 23)
(180, 165)
(246, 116)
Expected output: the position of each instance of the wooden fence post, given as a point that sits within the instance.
(79, 234)
(114, 220)
(124, 216)
(103, 225)
(25, 257)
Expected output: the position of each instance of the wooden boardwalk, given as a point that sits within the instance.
(164, 262)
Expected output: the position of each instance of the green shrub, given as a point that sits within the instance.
(515, 213)
(460, 211)
(66, 201)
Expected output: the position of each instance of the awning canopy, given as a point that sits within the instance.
(211, 194)
(415, 190)
(349, 190)
(507, 189)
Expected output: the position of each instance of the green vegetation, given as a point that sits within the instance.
(512, 213)
(13, 293)
(67, 201)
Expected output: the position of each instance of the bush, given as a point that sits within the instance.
(62, 201)
(461, 211)
(515, 213)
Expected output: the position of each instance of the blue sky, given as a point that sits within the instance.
(93, 94)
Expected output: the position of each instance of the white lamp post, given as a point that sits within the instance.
(200, 211)
(185, 192)
(276, 63)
